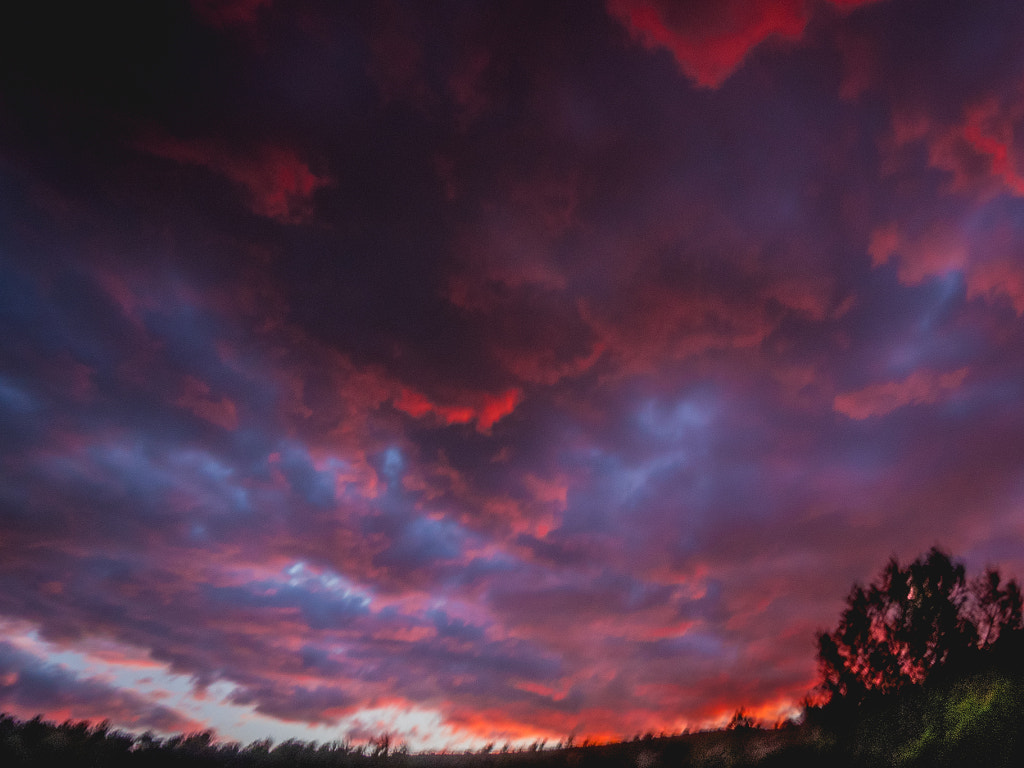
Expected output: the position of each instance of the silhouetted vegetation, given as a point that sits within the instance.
(40, 743)
(924, 670)
(915, 622)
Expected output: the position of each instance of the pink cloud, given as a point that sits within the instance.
(937, 250)
(279, 184)
(710, 40)
(987, 258)
(920, 388)
(1002, 278)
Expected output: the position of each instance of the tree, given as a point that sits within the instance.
(912, 621)
(996, 610)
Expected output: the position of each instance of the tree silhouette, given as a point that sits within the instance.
(997, 610)
(912, 621)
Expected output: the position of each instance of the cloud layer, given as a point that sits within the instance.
(493, 372)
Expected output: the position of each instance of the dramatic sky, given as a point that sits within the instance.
(487, 371)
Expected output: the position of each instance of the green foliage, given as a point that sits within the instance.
(974, 720)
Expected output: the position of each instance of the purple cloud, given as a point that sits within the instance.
(524, 369)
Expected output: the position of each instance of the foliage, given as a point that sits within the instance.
(970, 720)
(914, 621)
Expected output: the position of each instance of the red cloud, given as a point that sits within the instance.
(493, 408)
(979, 150)
(980, 153)
(921, 387)
(710, 39)
(485, 408)
(984, 144)
(280, 185)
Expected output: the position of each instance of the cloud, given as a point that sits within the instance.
(196, 399)
(999, 279)
(278, 183)
(30, 685)
(919, 388)
(526, 421)
(484, 408)
(976, 149)
(936, 251)
(709, 40)
(967, 229)
(320, 704)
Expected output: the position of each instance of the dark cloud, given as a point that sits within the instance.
(295, 703)
(503, 364)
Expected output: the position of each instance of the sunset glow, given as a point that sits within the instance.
(493, 372)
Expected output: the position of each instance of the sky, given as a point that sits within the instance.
(493, 371)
